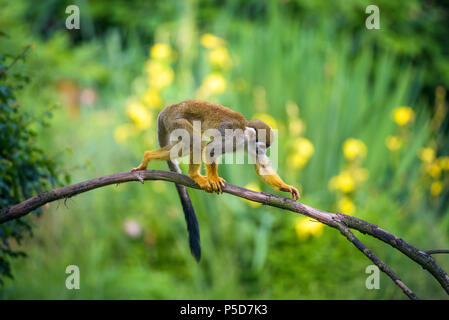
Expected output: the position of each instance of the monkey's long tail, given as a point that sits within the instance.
(189, 214)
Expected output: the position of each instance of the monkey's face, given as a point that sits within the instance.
(258, 137)
(263, 132)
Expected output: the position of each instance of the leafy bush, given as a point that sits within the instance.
(24, 168)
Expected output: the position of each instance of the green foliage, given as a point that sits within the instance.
(25, 170)
(407, 27)
(346, 82)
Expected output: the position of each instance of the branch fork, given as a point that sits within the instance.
(339, 221)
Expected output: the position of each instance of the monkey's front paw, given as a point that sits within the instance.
(293, 191)
(217, 184)
(203, 182)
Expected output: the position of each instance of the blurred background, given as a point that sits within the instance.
(363, 130)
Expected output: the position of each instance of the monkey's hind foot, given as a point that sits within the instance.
(203, 182)
(217, 184)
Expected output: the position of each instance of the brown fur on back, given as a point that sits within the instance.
(210, 114)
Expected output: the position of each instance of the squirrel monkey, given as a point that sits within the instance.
(255, 135)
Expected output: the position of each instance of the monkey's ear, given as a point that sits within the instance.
(250, 134)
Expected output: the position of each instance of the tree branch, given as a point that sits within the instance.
(339, 221)
(382, 266)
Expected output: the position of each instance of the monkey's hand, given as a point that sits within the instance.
(146, 159)
(270, 177)
(292, 190)
(139, 168)
(136, 172)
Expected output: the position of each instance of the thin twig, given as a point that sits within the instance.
(338, 221)
(19, 57)
(382, 266)
(436, 251)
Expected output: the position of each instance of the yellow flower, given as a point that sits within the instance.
(210, 41)
(214, 83)
(123, 132)
(296, 127)
(255, 187)
(154, 67)
(292, 109)
(152, 98)
(354, 148)
(393, 143)
(139, 114)
(444, 162)
(297, 160)
(346, 182)
(343, 182)
(434, 170)
(161, 51)
(159, 74)
(346, 206)
(427, 155)
(303, 151)
(306, 227)
(305, 147)
(163, 79)
(436, 187)
(219, 57)
(403, 115)
(268, 119)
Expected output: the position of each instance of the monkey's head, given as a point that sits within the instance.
(264, 133)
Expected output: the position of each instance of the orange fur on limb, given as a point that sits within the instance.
(272, 179)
